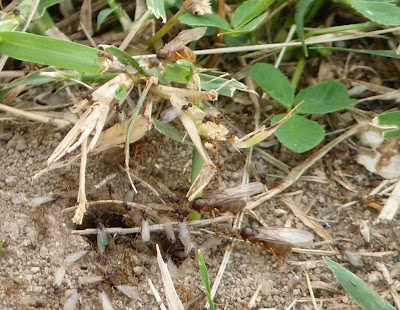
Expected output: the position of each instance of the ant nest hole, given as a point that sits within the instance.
(119, 216)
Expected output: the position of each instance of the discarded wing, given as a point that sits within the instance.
(72, 301)
(59, 277)
(232, 200)
(128, 290)
(278, 240)
(75, 256)
(104, 300)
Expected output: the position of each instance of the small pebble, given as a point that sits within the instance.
(18, 199)
(21, 145)
(11, 180)
(138, 270)
(35, 269)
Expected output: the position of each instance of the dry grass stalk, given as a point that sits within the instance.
(392, 205)
(173, 301)
(93, 119)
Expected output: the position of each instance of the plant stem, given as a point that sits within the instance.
(166, 28)
(122, 16)
(299, 70)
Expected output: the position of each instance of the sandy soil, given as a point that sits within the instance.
(38, 238)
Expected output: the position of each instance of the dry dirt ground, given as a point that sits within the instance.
(38, 239)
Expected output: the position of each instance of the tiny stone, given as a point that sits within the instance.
(35, 269)
(374, 276)
(21, 145)
(7, 136)
(138, 270)
(279, 212)
(11, 180)
(18, 198)
(296, 292)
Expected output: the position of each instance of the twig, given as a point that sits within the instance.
(80, 211)
(134, 29)
(386, 274)
(34, 116)
(173, 300)
(310, 290)
(296, 172)
(313, 40)
(145, 184)
(156, 295)
(317, 228)
(392, 205)
(283, 50)
(106, 180)
(134, 205)
(272, 160)
(156, 227)
(253, 298)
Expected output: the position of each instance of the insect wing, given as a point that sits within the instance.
(104, 300)
(75, 256)
(183, 38)
(72, 301)
(170, 114)
(215, 200)
(283, 235)
(102, 238)
(59, 276)
(244, 189)
(128, 290)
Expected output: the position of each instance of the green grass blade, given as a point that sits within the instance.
(50, 51)
(205, 279)
(302, 9)
(383, 53)
(362, 294)
(248, 11)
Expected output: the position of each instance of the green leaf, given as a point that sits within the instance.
(298, 134)
(323, 98)
(301, 11)
(205, 279)
(124, 58)
(170, 132)
(121, 93)
(248, 11)
(249, 26)
(215, 81)
(50, 51)
(273, 82)
(384, 53)
(178, 73)
(362, 294)
(158, 8)
(2, 244)
(207, 20)
(390, 122)
(44, 4)
(103, 14)
(384, 12)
